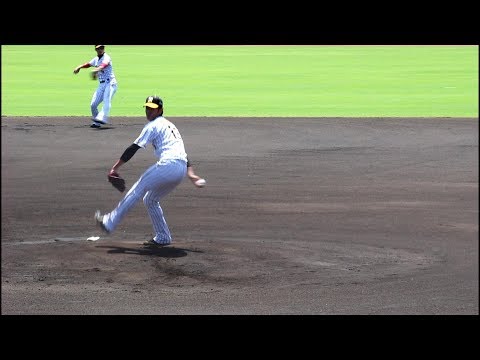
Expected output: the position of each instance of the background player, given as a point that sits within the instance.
(159, 179)
(107, 85)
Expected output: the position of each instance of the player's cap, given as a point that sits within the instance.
(99, 47)
(153, 102)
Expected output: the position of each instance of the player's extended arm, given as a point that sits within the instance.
(191, 174)
(83, 66)
(100, 67)
(113, 176)
(127, 155)
(194, 177)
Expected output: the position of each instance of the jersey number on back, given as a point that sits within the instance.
(175, 132)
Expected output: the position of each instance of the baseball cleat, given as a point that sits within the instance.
(99, 121)
(99, 220)
(153, 243)
(95, 126)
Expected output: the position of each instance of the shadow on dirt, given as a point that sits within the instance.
(167, 252)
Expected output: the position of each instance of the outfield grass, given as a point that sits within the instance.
(315, 81)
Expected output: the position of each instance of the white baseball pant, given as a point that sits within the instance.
(104, 92)
(154, 184)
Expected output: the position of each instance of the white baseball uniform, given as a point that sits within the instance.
(158, 180)
(107, 87)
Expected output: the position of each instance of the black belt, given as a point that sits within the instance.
(101, 82)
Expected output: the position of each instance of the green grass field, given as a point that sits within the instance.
(303, 81)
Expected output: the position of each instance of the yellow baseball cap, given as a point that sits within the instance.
(153, 102)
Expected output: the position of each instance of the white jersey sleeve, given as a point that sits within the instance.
(145, 136)
(94, 61)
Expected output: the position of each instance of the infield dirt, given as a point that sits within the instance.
(299, 216)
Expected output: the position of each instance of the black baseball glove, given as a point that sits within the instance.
(117, 181)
